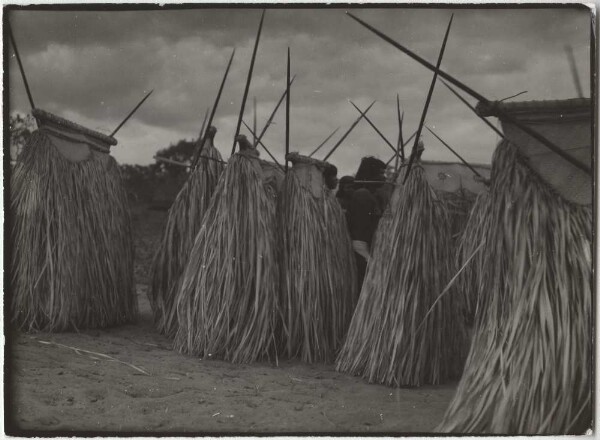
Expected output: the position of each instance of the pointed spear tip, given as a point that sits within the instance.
(248, 80)
(355, 18)
(449, 23)
(262, 18)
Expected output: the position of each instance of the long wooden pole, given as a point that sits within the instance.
(413, 152)
(403, 145)
(502, 114)
(261, 144)
(254, 122)
(324, 142)
(270, 120)
(203, 125)
(199, 142)
(131, 114)
(213, 111)
(287, 112)
(402, 131)
(181, 164)
(374, 181)
(248, 80)
(374, 127)
(399, 148)
(172, 162)
(513, 96)
(21, 69)
(362, 115)
(574, 72)
(465, 102)
(455, 153)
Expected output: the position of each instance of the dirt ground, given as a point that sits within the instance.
(128, 380)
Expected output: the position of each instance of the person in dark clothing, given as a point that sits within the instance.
(344, 194)
(365, 210)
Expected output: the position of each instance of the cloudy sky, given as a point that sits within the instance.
(92, 67)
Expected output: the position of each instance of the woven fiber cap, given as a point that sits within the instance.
(74, 141)
(309, 171)
(566, 123)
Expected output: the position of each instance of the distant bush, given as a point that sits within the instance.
(159, 182)
(20, 128)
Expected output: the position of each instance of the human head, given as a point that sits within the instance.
(371, 168)
(330, 176)
(345, 186)
(243, 142)
(420, 149)
(211, 132)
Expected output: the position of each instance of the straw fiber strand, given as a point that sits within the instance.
(470, 280)
(342, 264)
(459, 205)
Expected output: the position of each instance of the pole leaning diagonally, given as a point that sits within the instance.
(248, 80)
(502, 114)
(413, 153)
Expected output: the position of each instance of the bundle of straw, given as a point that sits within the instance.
(342, 272)
(183, 223)
(529, 369)
(318, 268)
(392, 339)
(72, 262)
(470, 279)
(227, 305)
(273, 177)
(459, 204)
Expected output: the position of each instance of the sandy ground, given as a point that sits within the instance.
(127, 379)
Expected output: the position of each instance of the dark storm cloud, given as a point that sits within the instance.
(95, 66)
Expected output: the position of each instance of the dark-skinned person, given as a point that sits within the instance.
(365, 209)
(344, 194)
